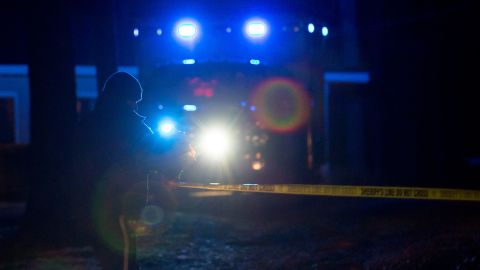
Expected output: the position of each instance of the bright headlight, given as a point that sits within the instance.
(215, 143)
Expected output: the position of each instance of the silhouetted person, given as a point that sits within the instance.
(110, 149)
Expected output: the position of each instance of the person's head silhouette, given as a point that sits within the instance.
(121, 92)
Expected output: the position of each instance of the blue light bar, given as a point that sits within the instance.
(190, 108)
(256, 29)
(311, 28)
(187, 30)
(188, 61)
(255, 62)
(324, 31)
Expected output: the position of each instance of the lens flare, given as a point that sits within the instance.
(282, 105)
(152, 215)
(104, 214)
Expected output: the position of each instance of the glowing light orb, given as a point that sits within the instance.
(166, 128)
(256, 29)
(187, 30)
(190, 108)
(324, 31)
(188, 61)
(255, 62)
(311, 28)
(257, 165)
(215, 143)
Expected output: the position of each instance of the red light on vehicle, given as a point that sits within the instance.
(202, 88)
(209, 92)
(203, 92)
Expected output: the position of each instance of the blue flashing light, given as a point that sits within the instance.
(136, 32)
(255, 62)
(243, 103)
(188, 61)
(311, 28)
(253, 108)
(159, 32)
(324, 31)
(187, 30)
(190, 108)
(256, 28)
(166, 128)
(228, 30)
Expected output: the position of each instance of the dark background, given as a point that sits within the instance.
(415, 123)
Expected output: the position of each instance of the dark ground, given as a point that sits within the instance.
(260, 231)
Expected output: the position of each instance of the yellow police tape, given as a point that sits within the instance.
(349, 191)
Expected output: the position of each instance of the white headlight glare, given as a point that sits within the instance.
(215, 143)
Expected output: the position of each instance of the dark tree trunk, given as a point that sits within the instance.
(52, 94)
(105, 40)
